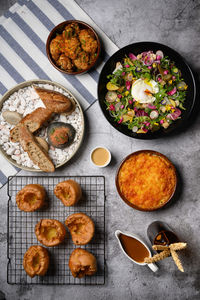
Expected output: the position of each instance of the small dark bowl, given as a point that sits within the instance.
(58, 30)
(117, 183)
(187, 74)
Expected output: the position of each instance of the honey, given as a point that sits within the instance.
(100, 156)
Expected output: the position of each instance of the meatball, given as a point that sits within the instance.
(88, 42)
(72, 47)
(64, 62)
(57, 47)
(71, 30)
(93, 57)
(82, 61)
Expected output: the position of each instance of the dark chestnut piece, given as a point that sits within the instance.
(60, 135)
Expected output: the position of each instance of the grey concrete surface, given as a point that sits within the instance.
(177, 24)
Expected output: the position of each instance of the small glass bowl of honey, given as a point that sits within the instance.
(100, 156)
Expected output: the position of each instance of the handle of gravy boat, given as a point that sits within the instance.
(153, 267)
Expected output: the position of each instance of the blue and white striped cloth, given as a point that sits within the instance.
(23, 33)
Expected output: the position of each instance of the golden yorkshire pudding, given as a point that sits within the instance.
(69, 192)
(31, 197)
(82, 262)
(50, 232)
(81, 228)
(36, 261)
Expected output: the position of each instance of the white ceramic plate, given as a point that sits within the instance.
(30, 83)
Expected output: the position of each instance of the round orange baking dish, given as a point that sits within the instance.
(146, 180)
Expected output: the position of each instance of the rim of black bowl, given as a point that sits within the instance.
(180, 62)
(58, 29)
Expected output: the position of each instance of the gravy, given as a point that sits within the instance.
(100, 156)
(135, 249)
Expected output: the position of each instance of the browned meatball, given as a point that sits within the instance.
(88, 42)
(82, 61)
(64, 62)
(72, 47)
(71, 30)
(93, 57)
(57, 46)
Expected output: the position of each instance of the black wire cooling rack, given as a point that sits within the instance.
(21, 230)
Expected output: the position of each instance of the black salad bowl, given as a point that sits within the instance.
(181, 64)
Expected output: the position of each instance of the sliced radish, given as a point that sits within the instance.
(117, 106)
(132, 56)
(172, 92)
(175, 114)
(111, 96)
(154, 114)
(118, 67)
(159, 53)
(151, 106)
(135, 129)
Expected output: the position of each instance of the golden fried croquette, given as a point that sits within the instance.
(88, 41)
(82, 61)
(64, 62)
(72, 47)
(71, 30)
(57, 47)
(36, 261)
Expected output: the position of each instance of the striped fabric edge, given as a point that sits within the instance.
(27, 37)
(12, 76)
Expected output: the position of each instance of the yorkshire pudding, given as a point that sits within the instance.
(82, 262)
(69, 192)
(50, 232)
(81, 228)
(31, 197)
(36, 261)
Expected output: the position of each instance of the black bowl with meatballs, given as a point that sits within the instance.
(73, 47)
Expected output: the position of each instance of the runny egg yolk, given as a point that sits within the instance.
(142, 90)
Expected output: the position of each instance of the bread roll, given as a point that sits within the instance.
(35, 152)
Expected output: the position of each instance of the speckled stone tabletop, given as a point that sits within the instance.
(176, 24)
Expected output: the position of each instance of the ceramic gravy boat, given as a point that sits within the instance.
(152, 266)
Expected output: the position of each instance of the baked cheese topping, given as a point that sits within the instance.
(147, 180)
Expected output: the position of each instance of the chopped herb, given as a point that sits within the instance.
(52, 131)
(83, 42)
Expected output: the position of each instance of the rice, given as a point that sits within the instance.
(25, 101)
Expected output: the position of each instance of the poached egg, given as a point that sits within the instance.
(142, 90)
